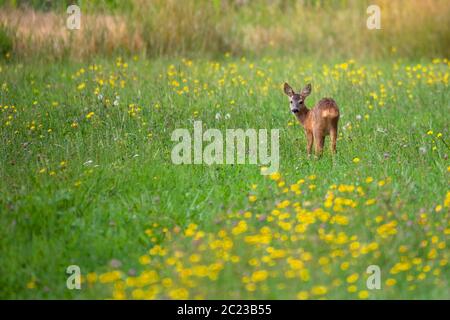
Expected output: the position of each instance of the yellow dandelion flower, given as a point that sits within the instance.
(194, 258)
(364, 294)
(345, 265)
(352, 278)
(352, 288)
(31, 284)
(145, 259)
(319, 290)
(260, 275)
(179, 294)
(250, 287)
(302, 295)
(239, 228)
(391, 282)
(275, 176)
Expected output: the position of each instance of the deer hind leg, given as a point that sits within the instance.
(333, 137)
(319, 139)
(333, 134)
(310, 140)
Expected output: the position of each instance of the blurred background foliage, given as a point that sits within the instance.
(410, 28)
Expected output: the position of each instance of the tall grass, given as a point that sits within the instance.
(416, 28)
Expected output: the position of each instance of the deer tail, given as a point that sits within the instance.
(330, 113)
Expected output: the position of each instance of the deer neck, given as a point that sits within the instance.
(302, 115)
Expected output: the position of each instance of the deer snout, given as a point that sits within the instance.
(295, 110)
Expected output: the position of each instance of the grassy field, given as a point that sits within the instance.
(87, 179)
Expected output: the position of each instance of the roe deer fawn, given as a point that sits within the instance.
(317, 122)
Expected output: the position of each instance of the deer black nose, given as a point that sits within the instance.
(294, 110)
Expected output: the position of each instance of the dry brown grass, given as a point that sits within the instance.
(415, 28)
(45, 33)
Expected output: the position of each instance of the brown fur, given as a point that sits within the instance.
(318, 122)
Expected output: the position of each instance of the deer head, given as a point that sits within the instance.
(297, 100)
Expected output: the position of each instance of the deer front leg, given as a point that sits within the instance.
(319, 139)
(310, 141)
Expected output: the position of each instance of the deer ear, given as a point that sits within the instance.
(288, 90)
(306, 91)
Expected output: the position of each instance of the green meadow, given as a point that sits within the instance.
(87, 173)
(87, 177)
